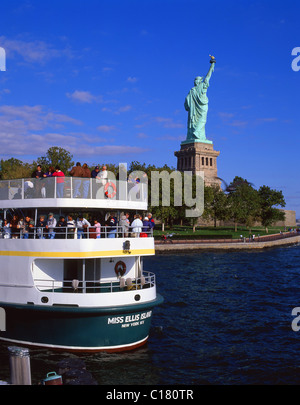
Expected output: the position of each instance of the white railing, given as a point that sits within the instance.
(147, 280)
(75, 232)
(72, 187)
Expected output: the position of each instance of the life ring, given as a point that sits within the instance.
(120, 269)
(110, 184)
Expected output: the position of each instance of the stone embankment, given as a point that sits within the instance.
(261, 242)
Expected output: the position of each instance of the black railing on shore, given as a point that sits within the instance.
(266, 238)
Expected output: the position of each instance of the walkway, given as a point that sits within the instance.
(264, 242)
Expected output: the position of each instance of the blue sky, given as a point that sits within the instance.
(107, 80)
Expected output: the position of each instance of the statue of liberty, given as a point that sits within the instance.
(196, 103)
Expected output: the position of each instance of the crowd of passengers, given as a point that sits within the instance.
(68, 227)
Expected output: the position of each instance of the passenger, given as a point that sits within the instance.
(136, 226)
(151, 222)
(6, 229)
(61, 228)
(41, 227)
(95, 172)
(49, 172)
(28, 189)
(59, 182)
(103, 176)
(95, 177)
(51, 224)
(111, 223)
(15, 232)
(48, 183)
(82, 225)
(38, 175)
(28, 228)
(124, 224)
(86, 181)
(146, 228)
(97, 227)
(77, 173)
(21, 227)
(70, 227)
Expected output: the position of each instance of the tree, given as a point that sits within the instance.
(244, 203)
(15, 169)
(268, 213)
(56, 156)
(215, 204)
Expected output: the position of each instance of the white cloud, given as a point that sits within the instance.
(110, 150)
(106, 128)
(25, 129)
(32, 51)
(84, 97)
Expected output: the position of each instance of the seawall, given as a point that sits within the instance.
(189, 246)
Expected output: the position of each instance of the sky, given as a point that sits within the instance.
(107, 80)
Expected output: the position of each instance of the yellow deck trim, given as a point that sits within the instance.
(106, 253)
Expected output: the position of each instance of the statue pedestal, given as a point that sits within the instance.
(199, 156)
(196, 141)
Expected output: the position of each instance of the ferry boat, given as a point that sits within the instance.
(66, 290)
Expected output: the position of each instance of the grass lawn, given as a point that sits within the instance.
(218, 232)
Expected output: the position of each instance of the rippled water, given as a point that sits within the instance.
(226, 319)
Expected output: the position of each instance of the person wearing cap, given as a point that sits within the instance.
(51, 224)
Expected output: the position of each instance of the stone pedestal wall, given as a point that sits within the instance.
(198, 156)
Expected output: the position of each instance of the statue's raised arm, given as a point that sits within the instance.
(211, 69)
(196, 103)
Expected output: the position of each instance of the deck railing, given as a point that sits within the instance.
(73, 187)
(76, 233)
(147, 280)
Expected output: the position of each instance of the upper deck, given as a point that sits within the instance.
(72, 192)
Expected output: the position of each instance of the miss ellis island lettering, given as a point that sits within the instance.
(188, 188)
(130, 320)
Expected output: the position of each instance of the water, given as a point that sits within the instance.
(226, 319)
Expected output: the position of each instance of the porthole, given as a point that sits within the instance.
(44, 300)
(137, 297)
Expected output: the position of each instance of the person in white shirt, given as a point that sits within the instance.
(136, 226)
(81, 224)
(51, 224)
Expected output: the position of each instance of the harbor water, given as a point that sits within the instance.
(226, 319)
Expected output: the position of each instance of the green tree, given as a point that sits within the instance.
(215, 204)
(268, 199)
(15, 169)
(244, 202)
(56, 156)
